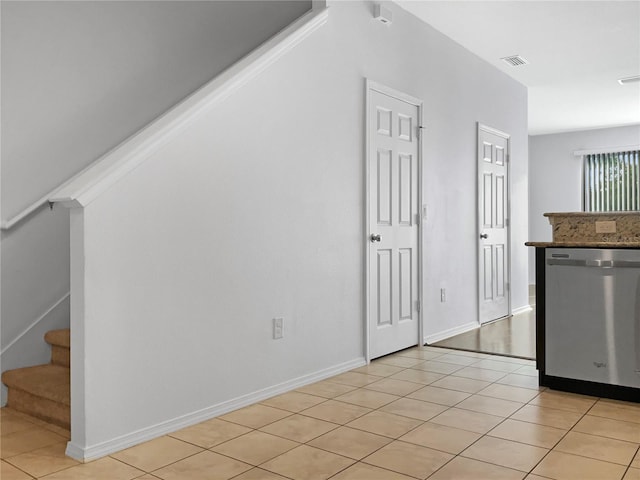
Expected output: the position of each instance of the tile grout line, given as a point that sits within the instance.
(504, 419)
(629, 467)
(523, 443)
(392, 439)
(425, 421)
(420, 386)
(18, 468)
(563, 437)
(159, 468)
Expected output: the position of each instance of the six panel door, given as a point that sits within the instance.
(493, 223)
(393, 218)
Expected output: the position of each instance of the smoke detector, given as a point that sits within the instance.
(515, 60)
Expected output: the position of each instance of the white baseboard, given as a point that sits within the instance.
(75, 452)
(436, 337)
(523, 309)
(86, 454)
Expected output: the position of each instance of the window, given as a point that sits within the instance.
(612, 181)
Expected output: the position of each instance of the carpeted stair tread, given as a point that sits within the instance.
(61, 338)
(47, 381)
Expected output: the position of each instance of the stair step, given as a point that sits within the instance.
(60, 356)
(60, 341)
(60, 338)
(42, 391)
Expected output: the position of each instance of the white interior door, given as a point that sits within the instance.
(393, 171)
(493, 221)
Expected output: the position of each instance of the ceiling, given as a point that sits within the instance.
(577, 50)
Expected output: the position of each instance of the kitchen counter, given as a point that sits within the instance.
(612, 229)
(583, 244)
(586, 281)
(591, 214)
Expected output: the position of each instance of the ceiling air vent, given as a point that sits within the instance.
(515, 60)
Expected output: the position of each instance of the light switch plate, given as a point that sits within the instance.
(278, 328)
(606, 227)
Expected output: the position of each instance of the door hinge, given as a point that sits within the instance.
(420, 128)
(418, 305)
(417, 219)
(506, 222)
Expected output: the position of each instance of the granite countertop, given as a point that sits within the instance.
(578, 244)
(593, 230)
(592, 214)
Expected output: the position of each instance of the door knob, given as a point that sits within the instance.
(484, 235)
(374, 238)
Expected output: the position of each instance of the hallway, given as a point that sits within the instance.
(514, 336)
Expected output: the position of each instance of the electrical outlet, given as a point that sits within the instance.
(443, 295)
(278, 328)
(606, 227)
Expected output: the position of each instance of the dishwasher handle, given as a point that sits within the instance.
(593, 263)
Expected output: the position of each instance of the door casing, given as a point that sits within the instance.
(371, 85)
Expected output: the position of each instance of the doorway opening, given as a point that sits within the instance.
(499, 331)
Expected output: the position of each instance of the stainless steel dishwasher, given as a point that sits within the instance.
(593, 315)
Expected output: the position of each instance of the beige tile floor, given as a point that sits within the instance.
(420, 413)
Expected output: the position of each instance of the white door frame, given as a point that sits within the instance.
(370, 85)
(507, 137)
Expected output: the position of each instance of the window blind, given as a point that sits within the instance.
(612, 181)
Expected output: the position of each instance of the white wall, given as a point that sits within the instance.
(77, 79)
(555, 174)
(256, 211)
(80, 77)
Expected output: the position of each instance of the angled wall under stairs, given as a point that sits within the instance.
(43, 391)
(182, 46)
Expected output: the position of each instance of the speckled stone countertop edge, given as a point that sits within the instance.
(584, 244)
(589, 214)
